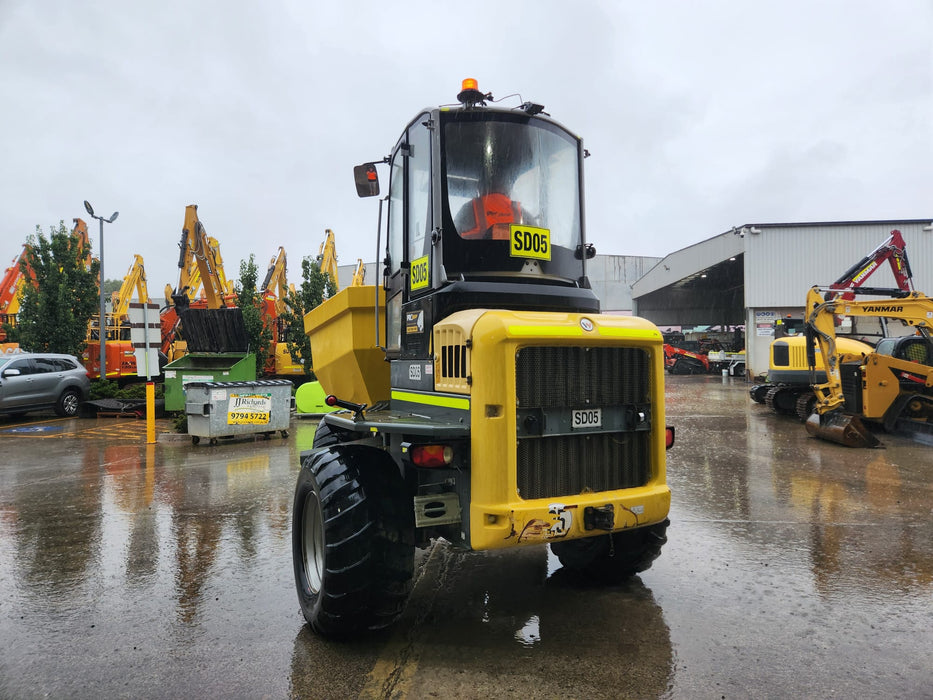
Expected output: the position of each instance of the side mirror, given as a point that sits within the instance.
(11, 373)
(367, 180)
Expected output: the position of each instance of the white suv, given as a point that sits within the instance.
(35, 381)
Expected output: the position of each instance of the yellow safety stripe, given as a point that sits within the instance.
(571, 331)
(432, 400)
(630, 332)
(559, 331)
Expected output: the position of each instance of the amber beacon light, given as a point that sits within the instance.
(469, 92)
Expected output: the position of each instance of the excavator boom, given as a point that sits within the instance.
(327, 257)
(882, 399)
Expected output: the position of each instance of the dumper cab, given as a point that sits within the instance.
(503, 409)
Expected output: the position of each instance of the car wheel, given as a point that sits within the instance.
(352, 542)
(68, 403)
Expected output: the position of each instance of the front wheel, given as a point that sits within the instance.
(614, 556)
(68, 403)
(352, 541)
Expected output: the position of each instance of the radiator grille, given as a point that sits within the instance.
(563, 465)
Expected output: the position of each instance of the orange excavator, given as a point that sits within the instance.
(10, 292)
(120, 364)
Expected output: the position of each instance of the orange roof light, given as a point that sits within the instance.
(470, 94)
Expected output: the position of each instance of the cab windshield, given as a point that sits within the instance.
(512, 172)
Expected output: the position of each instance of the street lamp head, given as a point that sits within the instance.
(113, 218)
(90, 209)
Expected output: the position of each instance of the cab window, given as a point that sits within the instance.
(419, 192)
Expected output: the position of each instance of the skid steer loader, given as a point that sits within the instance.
(486, 399)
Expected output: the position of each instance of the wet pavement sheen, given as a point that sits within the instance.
(794, 568)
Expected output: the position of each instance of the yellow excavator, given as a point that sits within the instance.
(199, 264)
(359, 275)
(274, 289)
(788, 389)
(890, 387)
(327, 257)
(120, 364)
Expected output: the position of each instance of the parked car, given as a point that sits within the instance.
(34, 381)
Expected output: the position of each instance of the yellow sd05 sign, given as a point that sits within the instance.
(530, 242)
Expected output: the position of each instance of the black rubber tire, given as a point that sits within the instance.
(195, 440)
(614, 556)
(327, 436)
(352, 541)
(68, 403)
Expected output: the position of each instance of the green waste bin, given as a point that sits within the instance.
(217, 352)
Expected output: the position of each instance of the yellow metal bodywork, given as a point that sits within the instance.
(879, 391)
(849, 350)
(348, 359)
(499, 517)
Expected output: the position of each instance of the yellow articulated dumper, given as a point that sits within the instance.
(485, 398)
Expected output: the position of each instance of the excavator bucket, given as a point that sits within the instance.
(840, 428)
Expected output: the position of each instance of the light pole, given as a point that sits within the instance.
(102, 323)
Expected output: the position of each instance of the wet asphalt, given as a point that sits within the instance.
(794, 568)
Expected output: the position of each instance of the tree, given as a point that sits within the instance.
(111, 286)
(249, 300)
(315, 287)
(55, 311)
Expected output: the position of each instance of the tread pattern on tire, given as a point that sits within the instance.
(368, 541)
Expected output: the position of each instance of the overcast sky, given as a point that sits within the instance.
(699, 115)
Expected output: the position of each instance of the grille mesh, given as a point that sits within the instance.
(565, 377)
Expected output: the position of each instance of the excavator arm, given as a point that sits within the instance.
(359, 275)
(893, 251)
(327, 257)
(135, 279)
(912, 308)
(199, 263)
(275, 284)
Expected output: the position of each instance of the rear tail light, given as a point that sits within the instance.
(432, 455)
(669, 436)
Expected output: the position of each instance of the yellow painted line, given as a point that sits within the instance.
(432, 400)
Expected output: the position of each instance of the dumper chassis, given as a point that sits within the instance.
(485, 399)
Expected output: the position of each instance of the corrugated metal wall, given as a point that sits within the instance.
(784, 261)
(612, 277)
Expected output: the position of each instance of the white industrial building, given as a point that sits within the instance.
(758, 274)
(752, 276)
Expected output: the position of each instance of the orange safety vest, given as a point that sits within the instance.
(491, 209)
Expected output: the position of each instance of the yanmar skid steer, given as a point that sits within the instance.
(486, 400)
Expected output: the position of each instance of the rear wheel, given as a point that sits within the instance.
(352, 541)
(614, 556)
(68, 403)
